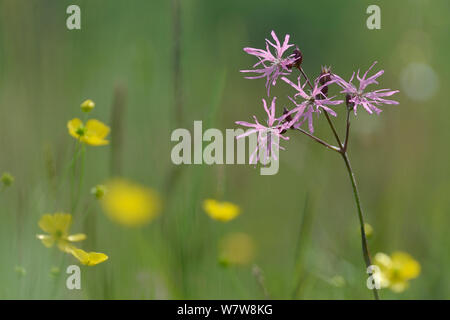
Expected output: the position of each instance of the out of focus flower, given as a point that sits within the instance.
(268, 137)
(396, 270)
(237, 249)
(57, 226)
(7, 179)
(420, 81)
(87, 105)
(222, 211)
(98, 191)
(314, 101)
(93, 133)
(130, 204)
(357, 96)
(271, 65)
(88, 258)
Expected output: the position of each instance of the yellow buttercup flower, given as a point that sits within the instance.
(88, 258)
(237, 249)
(93, 133)
(396, 270)
(222, 211)
(87, 105)
(57, 226)
(130, 204)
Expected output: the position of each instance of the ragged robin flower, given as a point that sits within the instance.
(268, 136)
(396, 270)
(221, 211)
(57, 227)
(272, 65)
(93, 133)
(358, 96)
(313, 101)
(129, 203)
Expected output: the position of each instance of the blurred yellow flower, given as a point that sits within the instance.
(396, 270)
(222, 211)
(130, 204)
(57, 226)
(93, 133)
(87, 105)
(237, 249)
(88, 258)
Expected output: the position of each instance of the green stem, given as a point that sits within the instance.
(72, 167)
(343, 151)
(80, 182)
(365, 247)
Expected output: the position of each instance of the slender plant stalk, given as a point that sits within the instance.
(325, 144)
(343, 151)
(365, 247)
(80, 181)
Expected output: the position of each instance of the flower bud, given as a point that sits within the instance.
(55, 271)
(7, 179)
(287, 119)
(325, 76)
(98, 191)
(87, 105)
(298, 58)
(350, 105)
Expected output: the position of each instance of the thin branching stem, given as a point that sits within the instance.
(327, 145)
(347, 131)
(343, 151)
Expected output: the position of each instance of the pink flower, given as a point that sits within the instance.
(271, 66)
(358, 97)
(313, 102)
(267, 136)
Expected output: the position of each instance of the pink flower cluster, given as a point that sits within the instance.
(309, 98)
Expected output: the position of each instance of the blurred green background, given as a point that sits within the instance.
(303, 220)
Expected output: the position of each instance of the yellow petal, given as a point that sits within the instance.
(62, 222)
(73, 125)
(47, 240)
(56, 223)
(94, 141)
(97, 129)
(46, 223)
(76, 237)
(222, 211)
(65, 246)
(89, 259)
(407, 266)
(80, 254)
